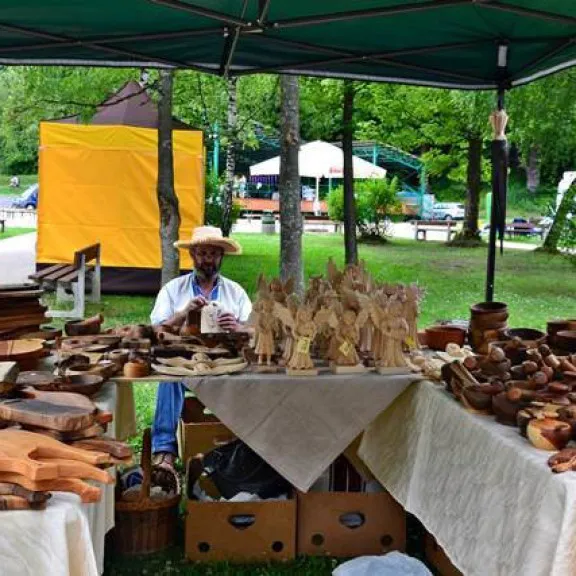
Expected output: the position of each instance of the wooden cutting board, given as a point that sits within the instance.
(27, 444)
(12, 461)
(16, 503)
(45, 414)
(61, 398)
(88, 494)
(7, 489)
(75, 469)
(115, 448)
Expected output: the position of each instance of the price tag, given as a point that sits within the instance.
(345, 348)
(303, 345)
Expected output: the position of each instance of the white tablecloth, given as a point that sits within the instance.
(66, 539)
(299, 425)
(480, 488)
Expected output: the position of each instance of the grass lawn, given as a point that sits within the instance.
(25, 181)
(9, 232)
(537, 287)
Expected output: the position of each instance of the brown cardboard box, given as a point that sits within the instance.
(322, 519)
(199, 432)
(267, 533)
(437, 557)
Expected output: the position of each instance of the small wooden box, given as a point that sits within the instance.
(438, 558)
(198, 432)
(349, 524)
(241, 531)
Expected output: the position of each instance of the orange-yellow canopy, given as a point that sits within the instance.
(98, 184)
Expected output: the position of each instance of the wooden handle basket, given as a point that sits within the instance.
(145, 526)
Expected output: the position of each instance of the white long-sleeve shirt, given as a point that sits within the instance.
(176, 294)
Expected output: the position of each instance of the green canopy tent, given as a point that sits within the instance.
(468, 44)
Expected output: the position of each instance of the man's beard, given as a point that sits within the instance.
(207, 271)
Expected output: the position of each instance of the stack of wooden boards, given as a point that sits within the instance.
(32, 465)
(51, 441)
(20, 310)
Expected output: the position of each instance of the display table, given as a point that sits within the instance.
(299, 425)
(66, 539)
(481, 489)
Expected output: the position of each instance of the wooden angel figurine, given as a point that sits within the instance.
(287, 344)
(265, 326)
(303, 329)
(345, 339)
(412, 310)
(281, 290)
(391, 331)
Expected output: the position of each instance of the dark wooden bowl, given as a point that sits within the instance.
(438, 337)
(85, 384)
(566, 339)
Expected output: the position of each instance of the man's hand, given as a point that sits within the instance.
(227, 321)
(196, 303)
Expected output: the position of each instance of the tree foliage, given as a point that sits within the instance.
(376, 202)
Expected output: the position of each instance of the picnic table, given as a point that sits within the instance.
(523, 229)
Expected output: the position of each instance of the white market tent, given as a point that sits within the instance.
(320, 160)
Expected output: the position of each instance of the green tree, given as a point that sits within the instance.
(376, 201)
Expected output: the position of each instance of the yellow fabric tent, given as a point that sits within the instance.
(98, 184)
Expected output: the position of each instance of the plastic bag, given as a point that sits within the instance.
(391, 564)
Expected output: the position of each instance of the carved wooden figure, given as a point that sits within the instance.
(304, 331)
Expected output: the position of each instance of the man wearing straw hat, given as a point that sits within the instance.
(204, 284)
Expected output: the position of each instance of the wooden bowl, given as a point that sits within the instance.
(438, 337)
(488, 308)
(136, 369)
(85, 327)
(529, 336)
(36, 378)
(566, 339)
(549, 434)
(85, 384)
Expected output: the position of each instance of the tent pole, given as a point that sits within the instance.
(497, 211)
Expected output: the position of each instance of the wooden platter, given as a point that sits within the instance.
(22, 349)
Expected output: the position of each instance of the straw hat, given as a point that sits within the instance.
(210, 236)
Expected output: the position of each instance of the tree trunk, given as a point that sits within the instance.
(474, 184)
(350, 245)
(553, 237)
(230, 157)
(289, 184)
(167, 199)
(533, 169)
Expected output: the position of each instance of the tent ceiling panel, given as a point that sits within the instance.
(439, 42)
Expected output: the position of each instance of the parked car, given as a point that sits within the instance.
(28, 198)
(448, 211)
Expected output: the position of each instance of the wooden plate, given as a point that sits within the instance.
(21, 349)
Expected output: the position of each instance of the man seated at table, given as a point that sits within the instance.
(180, 296)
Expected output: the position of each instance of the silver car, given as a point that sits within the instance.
(448, 211)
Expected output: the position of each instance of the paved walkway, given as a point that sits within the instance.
(17, 258)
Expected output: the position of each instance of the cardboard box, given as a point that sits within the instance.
(438, 558)
(199, 432)
(240, 531)
(349, 524)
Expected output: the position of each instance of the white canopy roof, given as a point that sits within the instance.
(320, 160)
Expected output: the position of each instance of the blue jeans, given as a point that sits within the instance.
(169, 404)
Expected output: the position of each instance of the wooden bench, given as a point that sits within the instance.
(71, 281)
(421, 227)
